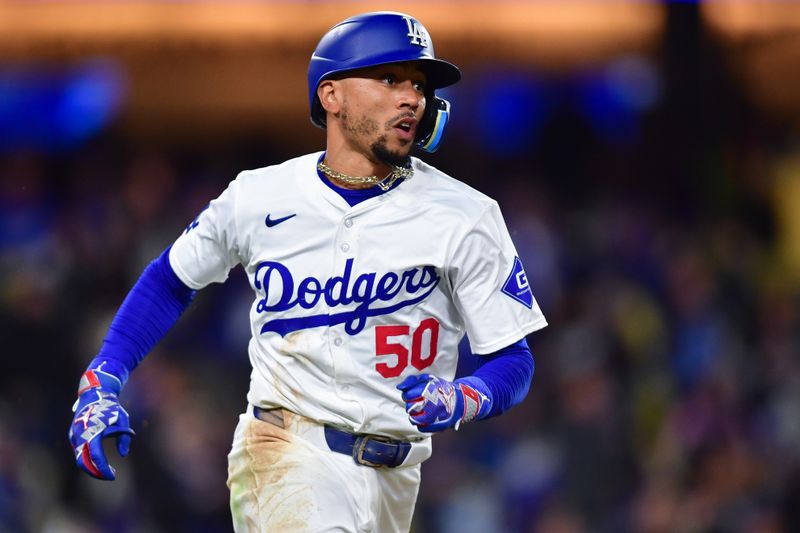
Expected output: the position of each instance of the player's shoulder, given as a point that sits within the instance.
(442, 189)
(279, 173)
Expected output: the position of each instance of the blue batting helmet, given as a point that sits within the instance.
(379, 38)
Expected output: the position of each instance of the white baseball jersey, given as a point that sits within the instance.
(351, 300)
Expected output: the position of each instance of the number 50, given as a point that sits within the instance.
(419, 360)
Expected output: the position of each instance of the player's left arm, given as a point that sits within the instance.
(492, 295)
(501, 382)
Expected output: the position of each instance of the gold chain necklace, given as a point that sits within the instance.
(384, 183)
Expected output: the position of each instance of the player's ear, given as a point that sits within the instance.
(329, 95)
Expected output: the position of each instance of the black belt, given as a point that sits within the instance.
(368, 450)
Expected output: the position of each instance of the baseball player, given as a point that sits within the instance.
(368, 267)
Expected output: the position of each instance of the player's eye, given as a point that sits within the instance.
(389, 79)
(419, 86)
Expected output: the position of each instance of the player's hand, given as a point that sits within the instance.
(98, 415)
(435, 404)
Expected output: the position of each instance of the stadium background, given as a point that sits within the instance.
(646, 156)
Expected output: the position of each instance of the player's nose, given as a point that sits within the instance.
(409, 96)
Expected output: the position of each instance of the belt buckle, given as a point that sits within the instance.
(360, 446)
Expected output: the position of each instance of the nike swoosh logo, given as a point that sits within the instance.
(274, 222)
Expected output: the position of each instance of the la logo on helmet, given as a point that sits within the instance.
(417, 34)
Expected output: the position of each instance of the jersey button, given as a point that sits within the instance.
(345, 387)
(337, 341)
(345, 247)
(349, 222)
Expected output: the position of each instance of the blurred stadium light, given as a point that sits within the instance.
(763, 41)
(614, 96)
(509, 108)
(55, 108)
(223, 67)
(634, 81)
(215, 68)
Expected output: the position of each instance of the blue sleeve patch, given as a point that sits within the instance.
(196, 222)
(517, 287)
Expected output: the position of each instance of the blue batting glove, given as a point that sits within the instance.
(435, 404)
(98, 415)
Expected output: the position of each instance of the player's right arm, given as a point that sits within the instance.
(150, 309)
(203, 254)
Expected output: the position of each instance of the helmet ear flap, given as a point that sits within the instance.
(318, 117)
(431, 127)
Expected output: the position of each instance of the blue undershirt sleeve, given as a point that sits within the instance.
(504, 376)
(150, 309)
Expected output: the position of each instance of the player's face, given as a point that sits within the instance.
(381, 110)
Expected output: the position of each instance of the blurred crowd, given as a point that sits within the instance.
(667, 388)
(666, 396)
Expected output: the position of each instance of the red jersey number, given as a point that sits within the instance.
(393, 341)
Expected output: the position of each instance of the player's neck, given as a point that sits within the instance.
(353, 163)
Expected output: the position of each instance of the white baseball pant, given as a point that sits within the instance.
(288, 480)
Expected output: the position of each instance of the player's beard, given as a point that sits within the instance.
(384, 155)
(382, 152)
(367, 127)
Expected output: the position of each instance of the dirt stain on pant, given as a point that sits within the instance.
(269, 487)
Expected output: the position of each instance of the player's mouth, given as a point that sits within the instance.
(405, 128)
